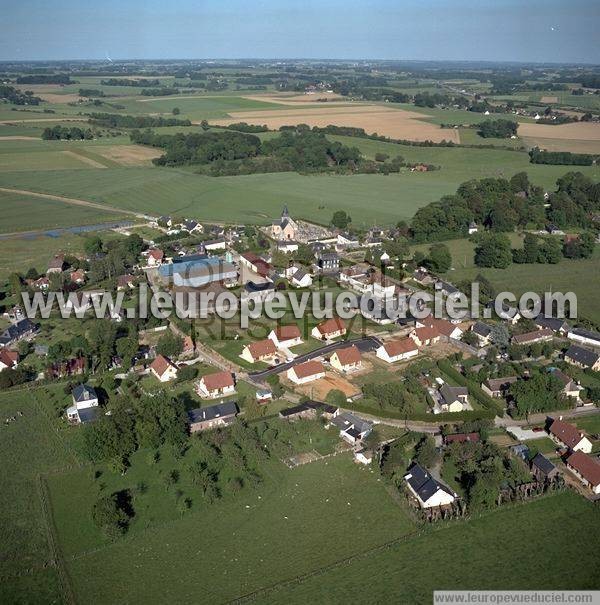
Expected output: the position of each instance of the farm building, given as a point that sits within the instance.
(199, 271)
(347, 359)
(584, 337)
(542, 468)
(221, 414)
(428, 491)
(217, 384)
(399, 349)
(529, 338)
(363, 456)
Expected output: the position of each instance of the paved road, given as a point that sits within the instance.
(364, 345)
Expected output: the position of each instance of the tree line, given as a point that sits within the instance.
(113, 120)
(563, 158)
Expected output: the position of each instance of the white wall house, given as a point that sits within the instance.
(400, 349)
(306, 372)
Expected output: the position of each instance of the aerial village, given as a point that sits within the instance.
(431, 393)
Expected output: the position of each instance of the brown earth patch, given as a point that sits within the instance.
(128, 155)
(299, 99)
(581, 131)
(18, 138)
(549, 100)
(318, 389)
(394, 123)
(572, 145)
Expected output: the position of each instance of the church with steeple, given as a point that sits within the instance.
(285, 228)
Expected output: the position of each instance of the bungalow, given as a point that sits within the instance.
(542, 469)
(425, 336)
(363, 456)
(570, 387)
(217, 384)
(261, 350)
(428, 491)
(306, 372)
(453, 399)
(17, 331)
(8, 359)
(461, 438)
(285, 337)
(125, 282)
(556, 325)
(329, 329)
(586, 468)
(570, 437)
(497, 387)
(584, 337)
(444, 327)
(163, 369)
(483, 333)
(56, 265)
(399, 349)
(353, 429)
(155, 257)
(221, 414)
(85, 404)
(346, 359)
(529, 338)
(582, 358)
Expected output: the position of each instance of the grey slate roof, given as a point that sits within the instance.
(423, 483)
(451, 394)
(551, 322)
(84, 392)
(229, 408)
(541, 462)
(583, 356)
(586, 334)
(482, 329)
(17, 330)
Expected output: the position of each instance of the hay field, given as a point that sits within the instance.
(549, 100)
(302, 99)
(581, 131)
(395, 123)
(128, 155)
(572, 145)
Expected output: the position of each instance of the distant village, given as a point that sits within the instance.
(504, 382)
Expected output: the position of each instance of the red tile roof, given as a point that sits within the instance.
(462, 438)
(348, 355)
(9, 358)
(262, 348)
(587, 466)
(217, 380)
(287, 332)
(399, 346)
(567, 433)
(426, 333)
(331, 326)
(156, 254)
(160, 365)
(308, 368)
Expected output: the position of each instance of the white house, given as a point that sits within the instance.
(363, 456)
(584, 337)
(329, 329)
(306, 372)
(567, 435)
(8, 359)
(586, 468)
(346, 359)
(399, 349)
(453, 399)
(217, 384)
(155, 257)
(483, 333)
(163, 369)
(261, 350)
(299, 278)
(428, 491)
(85, 404)
(285, 337)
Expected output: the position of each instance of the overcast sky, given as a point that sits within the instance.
(503, 30)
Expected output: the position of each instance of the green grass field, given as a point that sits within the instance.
(294, 524)
(508, 549)
(25, 213)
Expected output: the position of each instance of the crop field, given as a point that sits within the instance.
(292, 525)
(564, 132)
(470, 555)
(395, 123)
